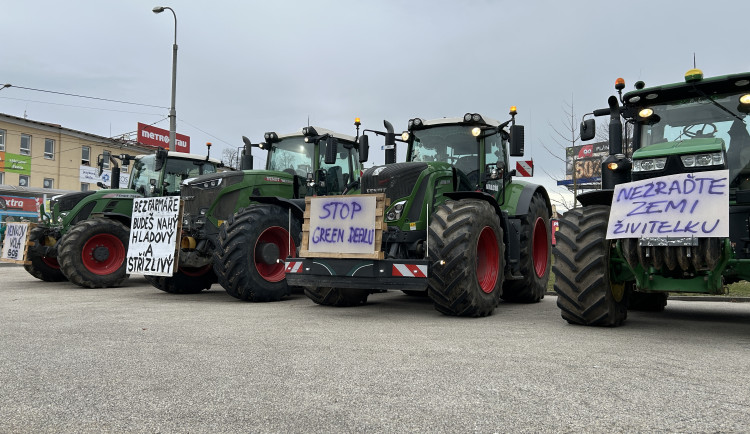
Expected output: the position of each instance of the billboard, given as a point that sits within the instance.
(18, 206)
(151, 135)
(14, 163)
(588, 161)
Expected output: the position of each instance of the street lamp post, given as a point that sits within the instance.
(172, 111)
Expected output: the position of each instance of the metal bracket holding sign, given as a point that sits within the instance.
(344, 226)
(154, 236)
(16, 243)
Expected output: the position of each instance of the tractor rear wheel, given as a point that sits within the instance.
(338, 297)
(44, 268)
(92, 253)
(536, 248)
(586, 293)
(467, 253)
(253, 245)
(187, 280)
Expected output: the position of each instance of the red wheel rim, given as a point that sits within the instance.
(488, 259)
(195, 272)
(51, 262)
(114, 247)
(540, 247)
(280, 237)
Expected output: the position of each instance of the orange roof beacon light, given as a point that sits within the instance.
(513, 110)
(620, 83)
(357, 122)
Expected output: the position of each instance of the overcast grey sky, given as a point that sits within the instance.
(248, 67)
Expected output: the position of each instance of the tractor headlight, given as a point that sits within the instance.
(396, 210)
(209, 184)
(649, 164)
(703, 160)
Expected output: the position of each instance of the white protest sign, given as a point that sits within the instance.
(684, 205)
(154, 236)
(342, 224)
(14, 243)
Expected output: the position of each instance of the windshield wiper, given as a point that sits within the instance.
(718, 104)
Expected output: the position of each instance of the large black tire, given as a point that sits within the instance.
(44, 268)
(186, 280)
(536, 255)
(467, 253)
(647, 301)
(92, 253)
(338, 297)
(238, 260)
(586, 295)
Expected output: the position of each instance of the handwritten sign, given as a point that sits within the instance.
(14, 243)
(344, 224)
(154, 236)
(684, 205)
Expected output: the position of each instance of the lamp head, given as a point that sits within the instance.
(158, 9)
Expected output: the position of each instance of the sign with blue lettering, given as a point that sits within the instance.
(684, 205)
(342, 224)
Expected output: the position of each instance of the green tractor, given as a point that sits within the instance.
(84, 238)
(641, 236)
(460, 228)
(239, 226)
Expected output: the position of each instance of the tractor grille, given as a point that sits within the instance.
(395, 180)
(195, 197)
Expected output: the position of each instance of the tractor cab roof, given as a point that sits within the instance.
(468, 119)
(694, 82)
(321, 131)
(186, 156)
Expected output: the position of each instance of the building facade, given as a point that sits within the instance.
(43, 155)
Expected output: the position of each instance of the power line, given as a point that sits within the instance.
(79, 106)
(83, 96)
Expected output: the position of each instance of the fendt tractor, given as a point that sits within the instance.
(259, 208)
(460, 229)
(85, 239)
(694, 127)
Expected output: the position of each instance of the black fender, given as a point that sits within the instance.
(297, 206)
(524, 201)
(597, 197)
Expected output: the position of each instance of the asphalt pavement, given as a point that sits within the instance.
(135, 359)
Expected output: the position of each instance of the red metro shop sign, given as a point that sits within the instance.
(151, 135)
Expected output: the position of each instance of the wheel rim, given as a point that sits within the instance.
(540, 247)
(51, 262)
(280, 237)
(195, 272)
(488, 259)
(103, 242)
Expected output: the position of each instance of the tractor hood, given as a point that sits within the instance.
(395, 180)
(680, 147)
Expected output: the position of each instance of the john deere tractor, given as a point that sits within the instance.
(640, 237)
(238, 227)
(84, 239)
(460, 228)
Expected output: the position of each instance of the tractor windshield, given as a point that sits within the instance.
(145, 179)
(698, 123)
(343, 171)
(452, 144)
(291, 155)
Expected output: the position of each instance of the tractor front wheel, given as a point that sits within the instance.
(92, 253)
(467, 253)
(253, 246)
(586, 293)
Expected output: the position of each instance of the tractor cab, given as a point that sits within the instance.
(162, 173)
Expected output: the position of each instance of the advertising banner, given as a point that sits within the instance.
(151, 135)
(90, 175)
(14, 163)
(586, 161)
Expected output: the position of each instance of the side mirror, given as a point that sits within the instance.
(331, 151)
(588, 129)
(161, 159)
(516, 140)
(364, 148)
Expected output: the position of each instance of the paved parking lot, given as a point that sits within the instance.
(137, 359)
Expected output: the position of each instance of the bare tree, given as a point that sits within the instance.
(230, 157)
(565, 136)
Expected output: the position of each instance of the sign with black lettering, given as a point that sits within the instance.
(343, 226)
(14, 242)
(685, 205)
(154, 236)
